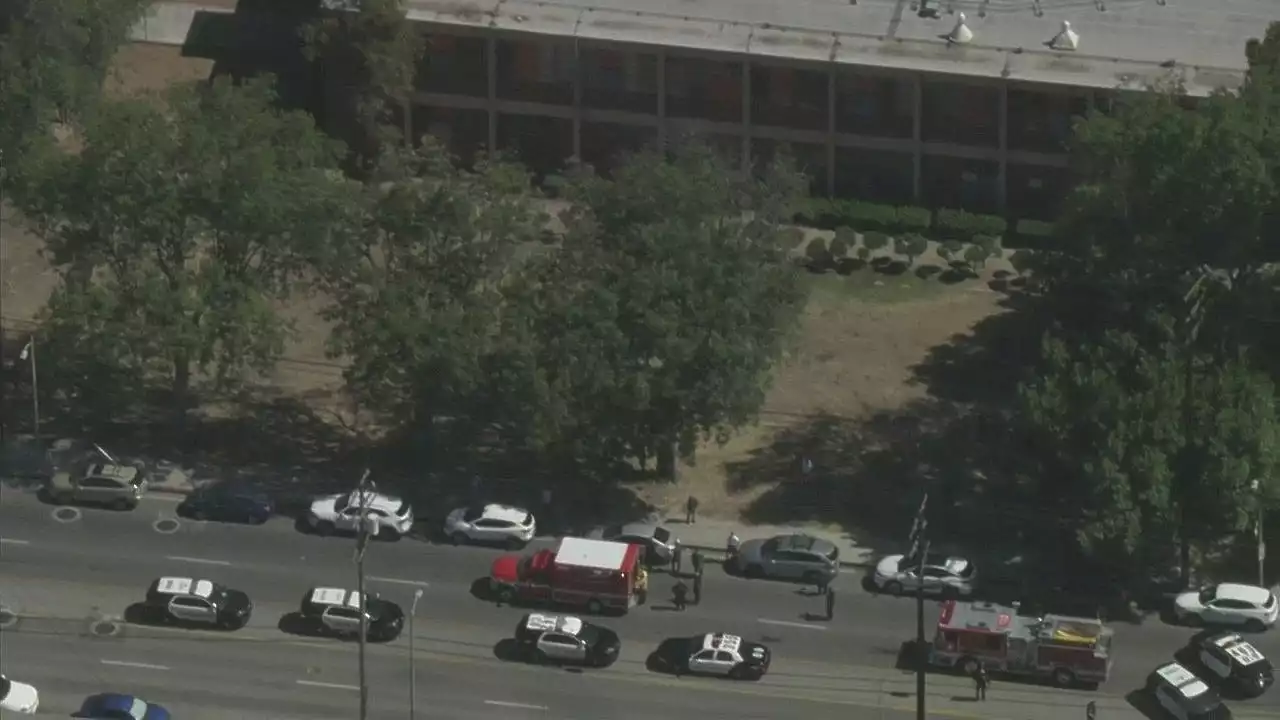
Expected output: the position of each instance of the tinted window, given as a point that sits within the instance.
(723, 656)
(403, 509)
(559, 640)
(967, 571)
(189, 602)
(343, 612)
(834, 555)
(1270, 603)
(492, 523)
(342, 503)
(936, 573)
(473, 514)
(662, 535)
(4, 687)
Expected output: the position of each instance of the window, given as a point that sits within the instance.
(561, 640)
(493, 524)
(344, 613)
(704, 655)
(662, 535)
(190, 602)
(97, 482)
(936, 573)
(723, 656)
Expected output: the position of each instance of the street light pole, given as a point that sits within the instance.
(1262, 542)
(413, 659)
(362, 543)
(29, 354)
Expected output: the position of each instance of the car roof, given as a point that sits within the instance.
(184, 586)
(334, 596)
(802, 542)
(1237, 648)
(124, 473)
(498, 511)
(1183, 679)
(1244, 593)
(721, 641)
(566, 624)
(377, 500)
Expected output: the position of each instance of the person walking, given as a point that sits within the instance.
(691, 510)
(697, 589)
(698, 561)
(823, 585)
(676, 560)
(642, 586)
(680, 595)
(831, 605)
(732, 544)
(980, 682)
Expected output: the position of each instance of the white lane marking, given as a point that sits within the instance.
(521, 706)
(397, 581)
(788, 623)
(144, 666)
(166, 497)
(203, 561)
(13, 541)
(331, 686)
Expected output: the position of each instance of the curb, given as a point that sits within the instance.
(718, 555)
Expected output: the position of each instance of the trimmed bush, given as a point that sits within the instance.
(819, 256)
(950, 250)
(1021, 261)
(863, 253)
(977, 255)
(874, 241)
(841, 244)
(965, 226)
(914, 219)
(911, 246)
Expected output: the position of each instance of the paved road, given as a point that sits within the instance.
(101, 563)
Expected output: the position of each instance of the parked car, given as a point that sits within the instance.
(947, 576)
(658, 542)
(789, 557)
(227, 503)
(717, 654)
(115, 706)
(116, 486)
(1248, 606)
(390, 516)
(492, 523)
(18, 697)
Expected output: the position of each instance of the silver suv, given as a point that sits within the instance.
(789, 557)
(117, 486)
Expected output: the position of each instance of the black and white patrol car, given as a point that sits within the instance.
(336, 611)
(1185, 696)
(713, 654)
(200, 602)
(566, 639)
(1234, 664)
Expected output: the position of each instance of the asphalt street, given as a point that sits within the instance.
(61, 575)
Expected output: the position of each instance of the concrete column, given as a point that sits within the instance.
(491, 49)
(917, 137)
(577, 100)
(831, 130)
(662, 100)
(1002, 178)
(746, 114)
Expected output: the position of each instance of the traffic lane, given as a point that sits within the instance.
(39, 578)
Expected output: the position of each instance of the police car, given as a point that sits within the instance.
(201, 602)
(336, 611)
(1235, 664)
(1185, 696)
(713, 654)
(564, 638)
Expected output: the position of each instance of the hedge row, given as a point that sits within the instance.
(943, 225)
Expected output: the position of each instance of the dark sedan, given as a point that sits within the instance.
(228, 504)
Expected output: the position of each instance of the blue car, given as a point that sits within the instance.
(113, 706)
(227, 503)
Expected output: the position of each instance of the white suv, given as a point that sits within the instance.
(1248, 606)
(511, 526)
(18, 697)
(390, 516)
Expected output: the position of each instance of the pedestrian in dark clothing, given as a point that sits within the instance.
(831, 604)
(823, 585)
(680, 596)
(697, 589)
(691, 510)
(676, 560)
(697, 563)
(980, 682)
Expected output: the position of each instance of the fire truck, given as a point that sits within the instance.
(591, 574)
(1068, 651)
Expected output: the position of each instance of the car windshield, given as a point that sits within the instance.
(662, 535)
(967, 572)
(589, 634)
(403, 509)
(1208, 594)
(834, 555)
(342, 502)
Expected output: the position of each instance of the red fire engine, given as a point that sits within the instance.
(1067, 650)
(592, 574)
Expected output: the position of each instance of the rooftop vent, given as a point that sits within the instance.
(960, 34)
(1066, 39)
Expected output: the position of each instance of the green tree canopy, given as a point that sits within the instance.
(660, 318)
(176, 227)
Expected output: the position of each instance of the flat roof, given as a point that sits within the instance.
(591, 553)
(1129, 44)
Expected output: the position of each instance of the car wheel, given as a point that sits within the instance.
(1255, 626)
(506, 595)
(324, 527)
(595, 607)
(123, 505)
(1064, 678)
(753, 571)
(1192, 620)
(893, 587)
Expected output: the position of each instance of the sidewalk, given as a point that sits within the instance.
(711, 536)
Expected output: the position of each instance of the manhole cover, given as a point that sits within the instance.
(66, 514)
(166, 526)
(8, 618)
(104, 628)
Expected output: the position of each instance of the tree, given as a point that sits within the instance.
(674, 283)
(369, 52)
(415, 282)
(55, 55)
(176, 226)
(1108, 423)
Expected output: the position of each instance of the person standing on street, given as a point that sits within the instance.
(642, 585)
(831, 605)
(680, 595)
(698, 560)
(697, 589)
(980, 682)
(691, 510)
(676, 560)
(731, 545)
(823, 585)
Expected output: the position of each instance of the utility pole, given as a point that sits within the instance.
(413, 660)
(29, 354)
(363, 490)
(919, 548)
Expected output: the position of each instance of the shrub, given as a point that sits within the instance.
(793, 237)
(976, 255)
(811, 211)
(990, 243)
(914, 219)
(950, 250)
(1032, 234)
(840, 244)
(965, 226)
(1021, 261)
(875, 240)
(911, 246)
(864, 216)
(863, 253)
(849, 235)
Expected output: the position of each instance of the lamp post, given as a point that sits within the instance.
(413, 659)
(29, 354)
(1262, 542)
(363, 490)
